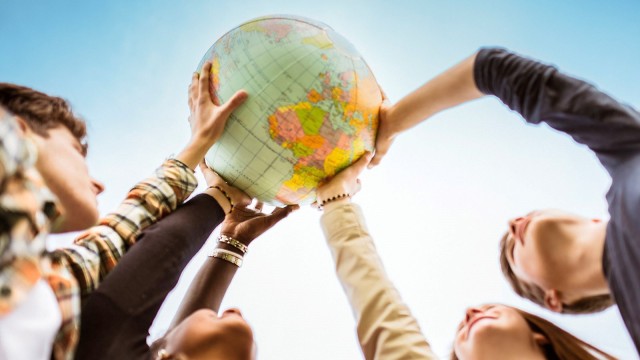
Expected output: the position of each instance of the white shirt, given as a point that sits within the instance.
(28, 331)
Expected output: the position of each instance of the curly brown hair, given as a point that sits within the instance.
(42, 112)
(586, 305)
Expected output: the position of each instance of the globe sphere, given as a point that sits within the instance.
(312, 108)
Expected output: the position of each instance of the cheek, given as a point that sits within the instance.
(529, 263)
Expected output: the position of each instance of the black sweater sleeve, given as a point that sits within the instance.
(117, 316)
(539, 92)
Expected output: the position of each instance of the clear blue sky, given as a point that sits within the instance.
(126, 65)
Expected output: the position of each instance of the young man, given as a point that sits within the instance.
(565, 262)
(46, 187)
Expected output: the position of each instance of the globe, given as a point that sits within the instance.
(312, 108)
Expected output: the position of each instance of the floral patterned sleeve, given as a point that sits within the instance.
(23, 224)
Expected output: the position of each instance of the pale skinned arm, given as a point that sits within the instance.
(453, 87)
(208, 119)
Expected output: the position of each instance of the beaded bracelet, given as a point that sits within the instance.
(227, 255)
(223, 193)
(333, 198)
(233, 242)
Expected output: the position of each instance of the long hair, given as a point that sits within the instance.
(562, 345)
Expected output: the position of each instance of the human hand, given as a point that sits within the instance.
(386, 134)
(238, 197)
(208, 118)
(245, 224)
(345, 184)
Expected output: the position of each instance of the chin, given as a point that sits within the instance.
(76, 221)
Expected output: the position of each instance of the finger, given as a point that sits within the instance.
(193, 87)
(278, 214)
(203, 165)
(358, 187)
(359, 165)
(259, 205)
(236, 100)
(384, 95)
(204, 83)
(205, 168)
(381, 150)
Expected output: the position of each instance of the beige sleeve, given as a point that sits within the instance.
(386, 328)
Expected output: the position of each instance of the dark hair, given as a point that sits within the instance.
(561, 345)
(41, 111)
(585, 305)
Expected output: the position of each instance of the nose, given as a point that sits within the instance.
(471, 313)
(98, 187)
(512, 225)
(234, 311)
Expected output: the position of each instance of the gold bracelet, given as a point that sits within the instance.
(233, 242)
(227, 255)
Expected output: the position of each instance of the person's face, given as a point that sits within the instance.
(61, 163)
(205, 335)
(540, 245)
(494, 332)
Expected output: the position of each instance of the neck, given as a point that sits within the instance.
(589, 279)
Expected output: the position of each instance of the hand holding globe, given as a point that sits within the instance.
(312, 109)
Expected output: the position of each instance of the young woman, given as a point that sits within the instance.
(387, 330)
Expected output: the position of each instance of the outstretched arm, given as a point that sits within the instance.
(539, 92)
(453, 87)
(98, 250)
(239, 229)
(386, 329)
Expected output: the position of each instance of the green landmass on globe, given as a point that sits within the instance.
(312, 108)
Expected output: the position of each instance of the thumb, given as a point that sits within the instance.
(381, 150)
(233, 103)
(359, 165)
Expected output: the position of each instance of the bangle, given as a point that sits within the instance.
(225, 195)
(233, 242)
(227, 255)
(333, 198)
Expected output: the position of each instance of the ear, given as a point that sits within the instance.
(552, 300)
(540, 339)
(24, 128)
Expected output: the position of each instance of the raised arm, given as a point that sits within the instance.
(539, 92)
(386, 329)
(453, 87)
(239, 229)
(98, 250)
